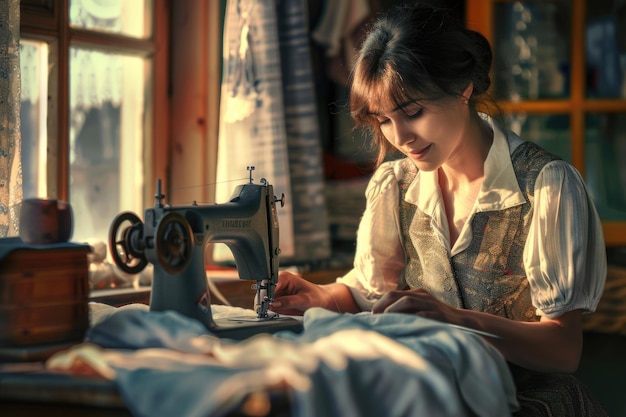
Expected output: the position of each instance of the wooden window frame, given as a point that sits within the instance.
(479, 16)
(48, 21)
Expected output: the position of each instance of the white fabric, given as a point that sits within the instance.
(566, 272)
(252, 113)
(269, 120)
(341, 365)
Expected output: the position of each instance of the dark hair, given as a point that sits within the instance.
(412, 54)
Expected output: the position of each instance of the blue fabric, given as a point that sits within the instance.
(341, 365)
(138, 329)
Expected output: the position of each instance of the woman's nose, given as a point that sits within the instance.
(403, 133)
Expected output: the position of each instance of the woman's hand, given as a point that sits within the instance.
(547, 345)
(418, 302)
(294, 295)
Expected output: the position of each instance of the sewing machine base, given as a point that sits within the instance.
(243, 328)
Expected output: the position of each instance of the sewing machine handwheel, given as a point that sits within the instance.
(173, 243)
(124, 247)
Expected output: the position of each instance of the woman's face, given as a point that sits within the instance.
(430, 133)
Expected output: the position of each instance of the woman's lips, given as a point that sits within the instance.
(419, 153)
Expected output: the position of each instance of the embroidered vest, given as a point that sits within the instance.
(489, 274)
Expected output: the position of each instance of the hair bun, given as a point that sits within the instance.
(482, 62)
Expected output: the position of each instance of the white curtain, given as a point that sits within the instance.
(268, 119)
(10, 146)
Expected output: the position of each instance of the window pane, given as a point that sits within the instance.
(605, 171)
(107, 111)
(34, 93)
(552, 132)
(531, 49)
(124, 17)
(606, 49)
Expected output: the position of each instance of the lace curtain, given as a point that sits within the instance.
(10, 146)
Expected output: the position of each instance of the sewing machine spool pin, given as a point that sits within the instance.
(174, 238)
(158, 196)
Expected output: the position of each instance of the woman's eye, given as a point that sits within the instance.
(383, 121)
(415, 114)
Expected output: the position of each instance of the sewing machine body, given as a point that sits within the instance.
(174, 239)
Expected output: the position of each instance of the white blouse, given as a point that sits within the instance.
(566, 272)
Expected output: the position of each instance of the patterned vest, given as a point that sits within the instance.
(489, 274)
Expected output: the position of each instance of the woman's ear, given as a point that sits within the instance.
(467, 93)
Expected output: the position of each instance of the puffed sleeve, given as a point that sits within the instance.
(379, 256)
(564, 256)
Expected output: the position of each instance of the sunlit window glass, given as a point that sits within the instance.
(34, 87)
(107, 111)
(605, 49)
(551, 131)
(605, 172)
(125, 17)
(531, 51)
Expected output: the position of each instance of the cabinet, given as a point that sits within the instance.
(559, 77)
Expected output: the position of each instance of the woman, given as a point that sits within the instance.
(474, 226)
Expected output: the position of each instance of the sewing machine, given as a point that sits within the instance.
(174, 239)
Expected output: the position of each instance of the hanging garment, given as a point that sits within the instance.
(269, 120)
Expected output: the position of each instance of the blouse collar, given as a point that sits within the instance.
(500, 189)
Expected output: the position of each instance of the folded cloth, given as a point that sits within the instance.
(100, 311)
(341, 365)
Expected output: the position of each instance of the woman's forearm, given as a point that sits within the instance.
(549, 345)
(340, 298)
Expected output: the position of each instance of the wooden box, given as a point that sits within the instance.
(44, 293)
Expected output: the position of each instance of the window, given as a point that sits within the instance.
(560, 76)
(93, 87)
